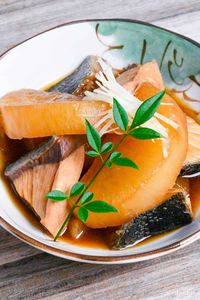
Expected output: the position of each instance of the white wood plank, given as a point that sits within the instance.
(175, 276)
(12, 249)
(22, 19)
(186, 24)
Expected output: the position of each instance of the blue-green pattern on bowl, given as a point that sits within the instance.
(178, 58)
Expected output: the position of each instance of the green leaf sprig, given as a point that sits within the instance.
(85, 202)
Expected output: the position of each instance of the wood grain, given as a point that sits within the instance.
(186, 24)
(22, 19)
(12, 249)
(42, 275)
(27, 273)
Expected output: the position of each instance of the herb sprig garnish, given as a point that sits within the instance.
(85, 202)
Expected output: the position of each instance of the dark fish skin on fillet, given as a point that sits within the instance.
(172, 214)
(81, 79)
(54, 150)
(36, 173)
(191, 169)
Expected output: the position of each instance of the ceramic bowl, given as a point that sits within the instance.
(48, 56)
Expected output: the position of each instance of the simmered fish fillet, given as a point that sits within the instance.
(172, 214)
(58, 163)
(82, 79)
(68, 173)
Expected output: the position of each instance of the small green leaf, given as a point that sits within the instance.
(106, 147)
(120, 115)
(145, 134)
(114, 155)
(83, 214)
(100, 207)
(147, 109)
(56, 196)
(124, 161)
(87, 197)
(93, 137)
(77, 189)
(108, 164)
(92, 153)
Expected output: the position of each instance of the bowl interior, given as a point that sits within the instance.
(50, 55)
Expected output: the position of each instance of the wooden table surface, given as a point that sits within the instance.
(27, 273)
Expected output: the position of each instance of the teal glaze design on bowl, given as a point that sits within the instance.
(177, 58)
(140, 43)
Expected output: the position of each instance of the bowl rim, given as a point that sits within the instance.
(84, 257)
(123, 259)
(87, 20)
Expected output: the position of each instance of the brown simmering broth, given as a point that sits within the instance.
(91, 239)
(11, 150)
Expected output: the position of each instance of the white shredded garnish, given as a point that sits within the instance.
(106, 127)
(109, 88)
(112, 129)
(167, 104)
(95, 115)
(102, 120)
(165, 147)
(166, 120)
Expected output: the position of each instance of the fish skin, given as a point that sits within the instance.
(52, 151)
(40, 166)
(71, 84)
(88, 67)
(172, 214)
(191, 170)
